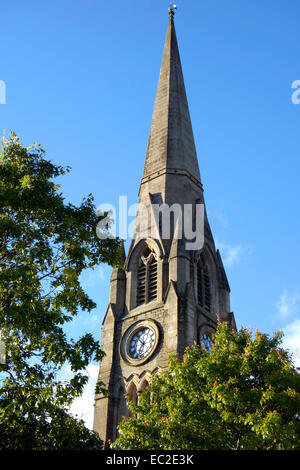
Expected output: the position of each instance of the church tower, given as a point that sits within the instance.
(170, 292)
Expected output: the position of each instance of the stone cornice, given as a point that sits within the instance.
(172, 171)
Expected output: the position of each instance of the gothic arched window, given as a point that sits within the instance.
(146, 277)
(133, 397)
(203, 284)
(144, 385)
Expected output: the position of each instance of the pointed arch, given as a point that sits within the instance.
(146, 277)
(144, 267)
(144, 384)
(132, 392)
(132, 395)
(206, 286)
(135, 252)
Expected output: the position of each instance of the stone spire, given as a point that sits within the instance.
(166, 290)
(171, 141)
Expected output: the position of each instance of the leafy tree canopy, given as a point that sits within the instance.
(45, 245)
(245, 394)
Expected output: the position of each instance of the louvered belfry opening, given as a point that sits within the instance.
(152, 292)
(141, 284)
(146, 278)
(200, 283)
(203, 284)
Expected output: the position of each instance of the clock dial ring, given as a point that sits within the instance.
(206, 342)
(140, 342)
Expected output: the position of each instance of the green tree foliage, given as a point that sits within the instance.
(245, 394)
(45, 245)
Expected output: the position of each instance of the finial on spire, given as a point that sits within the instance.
(172, 8)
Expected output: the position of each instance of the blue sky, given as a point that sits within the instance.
(81, 78)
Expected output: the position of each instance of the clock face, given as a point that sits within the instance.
(141, 343)
(206, 342)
